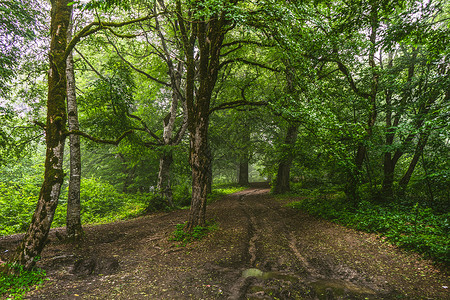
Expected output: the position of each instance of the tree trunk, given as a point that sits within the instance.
(74, 230)
(210, 172)
(34, 240)
(200, 161)
(244, 156)
(282, 183)
(390, 161)
(361, 153)
(243, 171)
(163, 185)
(412, 165)
(201, 68)
(389, 164)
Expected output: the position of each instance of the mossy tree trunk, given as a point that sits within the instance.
(282, 183)
(163, 186)
(34, 240)
(244, 156)
(74, 230)
(202, 40)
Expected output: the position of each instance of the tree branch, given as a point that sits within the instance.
(240, 42)
(40, 124)
(136, 69)
(350, 80)
(238, 103)
(145, 129)
(98, 140)
(93, 27)
(247, 62)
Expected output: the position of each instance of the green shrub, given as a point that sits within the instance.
(411, 227)
(182, 194)
(100, 203)
(16, 285)
(17, 205)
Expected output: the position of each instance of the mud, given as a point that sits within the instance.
(262, 250)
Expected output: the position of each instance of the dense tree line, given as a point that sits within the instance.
(168, 97)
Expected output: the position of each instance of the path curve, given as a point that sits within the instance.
(262, 250)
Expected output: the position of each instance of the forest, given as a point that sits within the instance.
(113, 111)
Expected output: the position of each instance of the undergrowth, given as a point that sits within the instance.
(14, 286)
(185, 237)
(222, 190)
(100, 203)
(414, 227)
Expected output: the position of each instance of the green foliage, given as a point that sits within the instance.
(14, 35)
(411, 227)
(222, 190)
(17, 204)
(182, 194)
(15, 285)
(102, 203)
(106, 5)
(185, 237)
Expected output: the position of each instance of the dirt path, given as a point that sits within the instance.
(262, 250)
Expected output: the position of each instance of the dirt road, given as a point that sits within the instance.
(262, 250)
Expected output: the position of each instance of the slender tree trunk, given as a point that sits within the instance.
(282, 182)
(361, 153)
(210, 172)
(163, 185)
(34, 240)
(389, 164)
(128, 172)
(390, 161)
(74, 230)
(388, 179)
(244, 157)
(412, 165)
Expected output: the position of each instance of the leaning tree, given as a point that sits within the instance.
(56, 127)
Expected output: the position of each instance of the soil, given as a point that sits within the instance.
(261, 250)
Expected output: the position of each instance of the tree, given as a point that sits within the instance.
(74, 230)
(55, 128)
(207, 32)
(284, 167)
(34, 240)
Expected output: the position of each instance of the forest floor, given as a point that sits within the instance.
(261, 250)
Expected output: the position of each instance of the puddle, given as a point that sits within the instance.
(337, 287)
(254, 272)
(323, 288)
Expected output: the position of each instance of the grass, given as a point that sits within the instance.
(222, 190)
(415, 228)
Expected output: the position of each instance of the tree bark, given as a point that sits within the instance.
(163, 184)
(74, 230)
(243, 171)
(34, 240)
(200, 162)
(282, 182)
(355, 174)
(412, 165)
(390, 161)
(201, 68)
(244, 156)
(210, 172)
